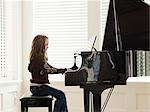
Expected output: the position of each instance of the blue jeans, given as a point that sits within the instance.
(44, 90)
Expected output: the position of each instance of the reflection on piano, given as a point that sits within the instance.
(99, 71)
(126, 32)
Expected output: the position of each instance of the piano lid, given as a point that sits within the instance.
(134, 24)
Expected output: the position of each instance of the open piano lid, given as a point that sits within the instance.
(133, 18)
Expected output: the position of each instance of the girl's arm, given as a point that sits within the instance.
(53, 70)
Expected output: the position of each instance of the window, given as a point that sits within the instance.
(143, 63)
(3, 41)
(10, 36)
(147, 59)
(66, 25)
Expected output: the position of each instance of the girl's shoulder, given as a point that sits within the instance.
(38, 57)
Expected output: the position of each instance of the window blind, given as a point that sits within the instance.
(3, 41)
(141, 62)
(65, 22)
(148, 62)
(104, 5)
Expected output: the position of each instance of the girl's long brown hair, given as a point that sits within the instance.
(38, 46)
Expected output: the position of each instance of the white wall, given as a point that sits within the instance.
(27, 39)
(94, 21)
(9, 96)
(14, 39)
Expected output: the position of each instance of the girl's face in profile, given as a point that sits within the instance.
(46, 44)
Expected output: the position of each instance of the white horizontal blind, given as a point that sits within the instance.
(148, 62)
(65, 23)
(141, 62)
(3, 41)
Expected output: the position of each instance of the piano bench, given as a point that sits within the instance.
(36, 101)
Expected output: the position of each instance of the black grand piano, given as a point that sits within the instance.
(127, 31)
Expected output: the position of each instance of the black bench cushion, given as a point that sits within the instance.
(36, 101)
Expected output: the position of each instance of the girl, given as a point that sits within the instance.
(40, 69)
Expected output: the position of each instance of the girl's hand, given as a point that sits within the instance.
(53, 70)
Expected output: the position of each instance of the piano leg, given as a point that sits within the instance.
(86, 100)
(97, 102)
(96, 91)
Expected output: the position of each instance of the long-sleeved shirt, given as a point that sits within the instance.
(39, 69)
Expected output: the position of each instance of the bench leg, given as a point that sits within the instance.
(26, 109)
(22, 107)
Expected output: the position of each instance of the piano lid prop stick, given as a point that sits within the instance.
(117, 29)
